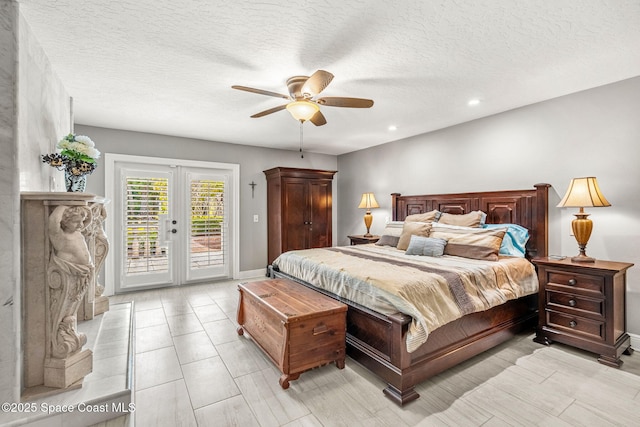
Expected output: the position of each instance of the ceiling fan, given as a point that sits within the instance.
(302, 103)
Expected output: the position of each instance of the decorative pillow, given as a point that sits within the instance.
(412, 228)
(423, 217)
(391, 234)
(393, 228)
(428, 246)
(515, 240)
(476, 243)
(386, 240)
(472, 219)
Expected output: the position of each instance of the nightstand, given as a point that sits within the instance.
(583, 305)
(360, 239)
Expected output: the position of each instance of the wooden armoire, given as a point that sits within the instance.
(298, 209)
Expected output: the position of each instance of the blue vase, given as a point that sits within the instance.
(75, 183)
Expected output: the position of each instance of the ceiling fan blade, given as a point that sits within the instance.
(318, 119)
(336, 101)
(316, 83)
(260, 91)
(269, 111)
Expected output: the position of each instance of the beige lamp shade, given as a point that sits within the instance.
(302, 110)
(583, 192)
(368, 202)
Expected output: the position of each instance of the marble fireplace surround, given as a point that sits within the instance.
(63, 246)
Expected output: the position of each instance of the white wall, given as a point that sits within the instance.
(34, 114)
(252, 160)
(9, 211)
(591, 133)
(44, 115)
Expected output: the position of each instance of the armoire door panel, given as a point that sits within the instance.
(294, 218)
(320, 208)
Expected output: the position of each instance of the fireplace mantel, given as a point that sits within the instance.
(63, 247)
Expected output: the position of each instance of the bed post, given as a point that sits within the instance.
(542, 219)
(394, 206)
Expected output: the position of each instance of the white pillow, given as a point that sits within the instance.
(393, 228)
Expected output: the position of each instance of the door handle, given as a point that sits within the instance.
(174, 231)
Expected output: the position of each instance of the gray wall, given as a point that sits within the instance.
(252, 161)
(590, 133)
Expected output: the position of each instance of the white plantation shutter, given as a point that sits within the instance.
(146, 201)
(208, 240)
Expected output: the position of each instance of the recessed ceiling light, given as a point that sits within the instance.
(393, 127)
(473, 102)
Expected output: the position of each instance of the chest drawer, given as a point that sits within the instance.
(571, 302)
(589, 284)
(576, 324)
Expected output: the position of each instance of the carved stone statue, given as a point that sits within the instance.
(100, 251)
(70, 271)
(94, 302)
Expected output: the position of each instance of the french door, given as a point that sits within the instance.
(173, 224)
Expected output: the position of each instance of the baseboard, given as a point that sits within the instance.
(635, 341)
(252, 274)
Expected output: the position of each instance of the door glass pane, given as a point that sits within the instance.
(146, 203)
(207, 232)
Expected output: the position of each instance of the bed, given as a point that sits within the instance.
(379, 339)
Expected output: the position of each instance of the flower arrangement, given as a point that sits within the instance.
(77, 156)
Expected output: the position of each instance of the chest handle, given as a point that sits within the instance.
(320, 329)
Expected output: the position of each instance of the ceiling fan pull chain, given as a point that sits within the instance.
(301, 155)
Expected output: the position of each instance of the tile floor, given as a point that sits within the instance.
(192, 369)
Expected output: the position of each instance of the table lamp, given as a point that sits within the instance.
(368, 202)
(583, 192)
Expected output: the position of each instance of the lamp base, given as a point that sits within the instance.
(582, 227)
(368, 219)
(582, 258)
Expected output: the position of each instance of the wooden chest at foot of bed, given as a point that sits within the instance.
(297, 327)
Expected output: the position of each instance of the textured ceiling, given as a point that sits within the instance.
(167, 66)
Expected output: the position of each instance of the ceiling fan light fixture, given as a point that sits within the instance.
(302, 110)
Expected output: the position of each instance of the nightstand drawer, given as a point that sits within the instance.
(576, 324)
(361, 239)
(580, 282)
(577, 303)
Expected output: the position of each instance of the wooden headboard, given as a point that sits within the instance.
(528, 208)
